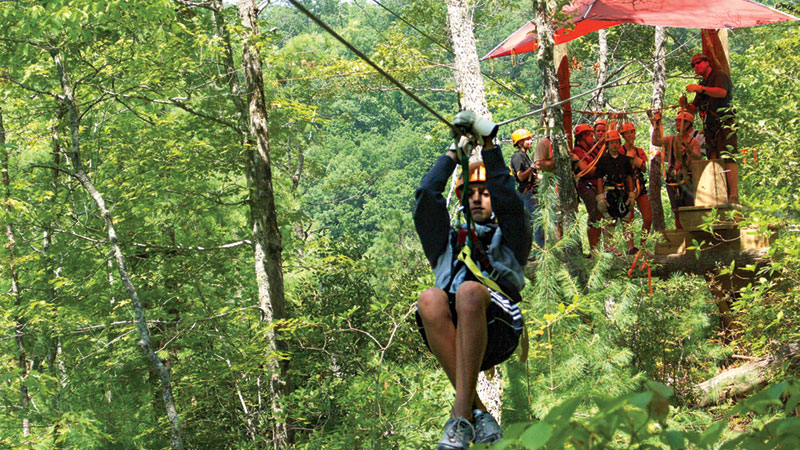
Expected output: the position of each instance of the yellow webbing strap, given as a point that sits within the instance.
(465, 256)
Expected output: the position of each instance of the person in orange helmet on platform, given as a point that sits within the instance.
(713, 100)
(678, 150)
(615, 194)
(600, 128)
(584, 154)
(639, 162)
(470, 319)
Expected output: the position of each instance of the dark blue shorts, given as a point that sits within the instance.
(504, 327)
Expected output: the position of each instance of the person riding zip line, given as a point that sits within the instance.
(615, 189)
(470, 320)
(584, 156)
(639, 162)
(713, 100)
(679, 150)
(526, 174)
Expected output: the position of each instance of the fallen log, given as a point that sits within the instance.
(703, 262)
(743, 379)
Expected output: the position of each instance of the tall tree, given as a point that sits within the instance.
(11, 272)
(656, 102)
(67, 99)
(568, 203)
(266, 235)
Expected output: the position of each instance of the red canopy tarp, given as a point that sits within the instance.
(592, 15)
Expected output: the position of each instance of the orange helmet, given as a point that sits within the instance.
(477, 174)
(581, 128)
(600, 121)
(627, 126)
(612, 135)
(519, 135)
(685, 115)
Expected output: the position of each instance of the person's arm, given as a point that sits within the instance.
(694, 146)
(543, 157)
(523, 175)
(431, 218)
(507, 204)
(658, 131)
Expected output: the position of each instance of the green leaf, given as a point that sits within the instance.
(536, 436)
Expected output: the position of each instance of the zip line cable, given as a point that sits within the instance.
(361, 55)
(358, 53)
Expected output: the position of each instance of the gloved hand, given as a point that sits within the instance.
(469, 122)
(694, 88)
(602, 203)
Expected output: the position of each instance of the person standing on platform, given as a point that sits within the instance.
(526, 174)
(615, 192)
(639, 162)
(713, 100)
(584, 156)
(678, 150)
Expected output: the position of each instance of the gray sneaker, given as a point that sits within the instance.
(458, 434)
(486, 428)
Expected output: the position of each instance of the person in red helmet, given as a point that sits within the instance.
(614, 191)
(713, 100)
(584, 156)
(678, 150)
(470, 319)
(639, 162)
(600, 128)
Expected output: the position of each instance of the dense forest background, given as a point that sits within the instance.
(140, 97)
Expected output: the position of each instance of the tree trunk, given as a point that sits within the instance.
(602, 68)
(67, 100)
(743, 379)
(19, 322)
(472, 96)
(466, 63)
(266, 236)
(568, 198)
(659, 87)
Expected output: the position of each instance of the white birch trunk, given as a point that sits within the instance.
(602, 67)
(657, 101)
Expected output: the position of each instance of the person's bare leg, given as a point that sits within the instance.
(434, 309)
(647, 215)
(472, 300)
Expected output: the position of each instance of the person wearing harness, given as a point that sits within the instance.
(584, 157)
(639, 162)
(470, 319)
(679, 149)
(615, 192)
(526, 174)
(713, 99)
